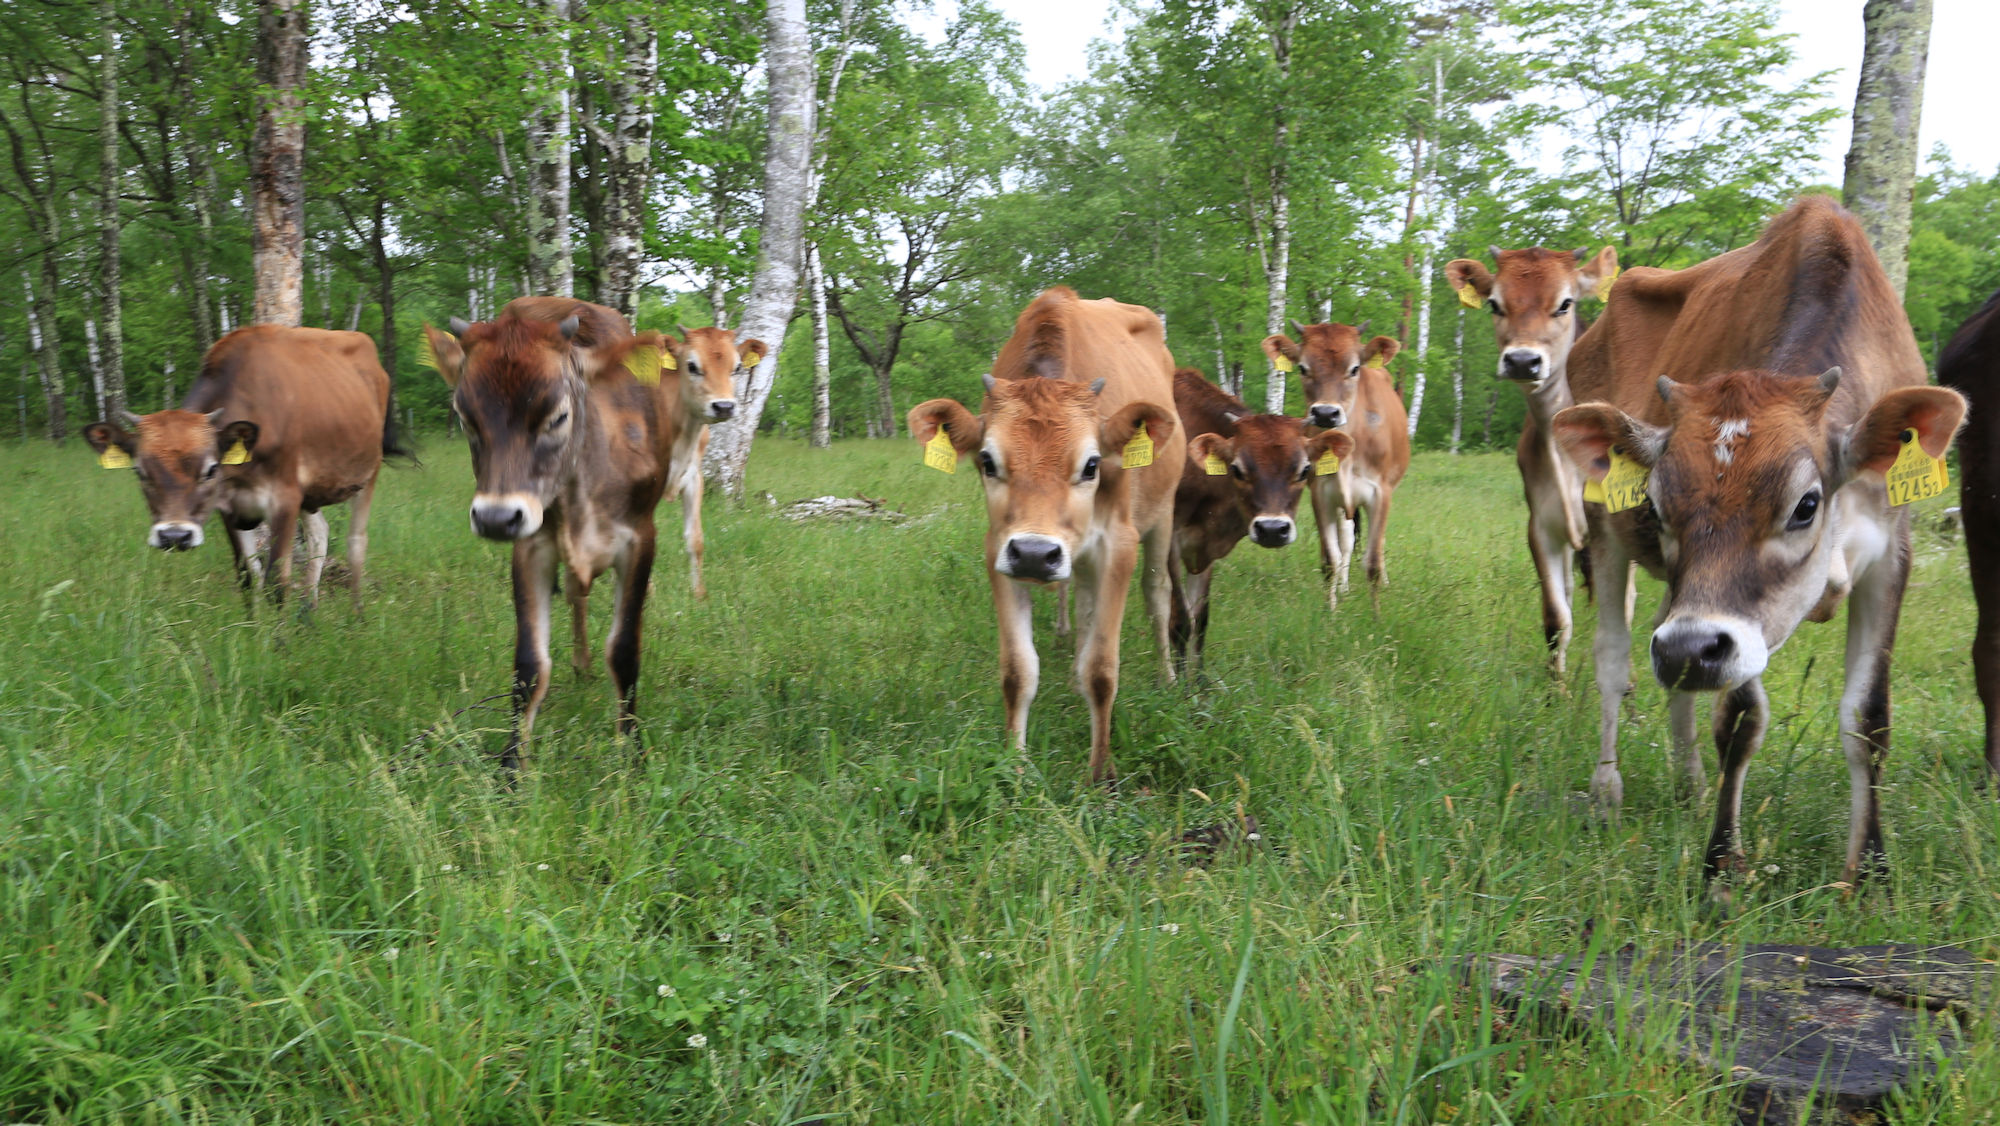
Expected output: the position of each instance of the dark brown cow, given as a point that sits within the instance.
(1264, 461)
(697, 387)
(1971, 364)
(281, 421)
(1076, 383)
(566, 455)
(1761, 396)
(1346, 389)
(1534, 298)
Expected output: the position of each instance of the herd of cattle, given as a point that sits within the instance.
(1748, 430)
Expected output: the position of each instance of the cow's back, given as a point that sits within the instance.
(315, 393)
(1381, 432)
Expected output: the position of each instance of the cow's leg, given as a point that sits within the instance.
(1872, 612)
(357, 537)
(1197, 594)
(249, 556)
(1343, 527)
(621, 649)
(283, 525)
(1376, 562)
(1334, 532)
(1155, 586)
(316, 536)
(1551, 552)
(1020, 672)
(1687, 746)
(576, 590)
(1110, 574)
(691, 524)
(1982, 549)
(1181, 615)
(1612, 572)
(1740, 716)
(534, 591)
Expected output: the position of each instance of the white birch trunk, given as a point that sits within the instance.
(43, 342)
(96, 356)
(1458, 382)
(774, 292)
(111, 224)
(822, 425)
(1277, 265)
(551, 261)
(277, 165)
(630, 166)
(1888, 103)
(1423, 335)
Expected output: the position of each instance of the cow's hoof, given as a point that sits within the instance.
(1607, 790)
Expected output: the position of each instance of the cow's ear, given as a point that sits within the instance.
(1384, 347)
(1280, 346)
(1339, 443)
(1470, 280)
(751, 351)
(1597, 275)
(609, 360)
(103, 435)
(962, 426)
(1588, 433)
(647, 356)
(243, 433)
(1114, 432)
(443, 354)
(1201, 446)
(1934, 413)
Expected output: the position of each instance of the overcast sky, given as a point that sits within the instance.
(1958, 103)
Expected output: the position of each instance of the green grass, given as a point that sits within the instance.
(261, 870)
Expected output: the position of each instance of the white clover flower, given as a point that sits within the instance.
(906, 858)
(697, 1041)
(666, 991)
(1771, 869)
(1171, 928)
(541, 867)
(986, 955)
(392, 953)
(725, 936)
(1254, 837)
(446, 868)
(919, 959)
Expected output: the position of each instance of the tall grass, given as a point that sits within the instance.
(260, 868)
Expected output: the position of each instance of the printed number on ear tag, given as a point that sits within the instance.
(1215, 466)
(1468, 296)
(1623, 487)
(1283, 364)
(1327, 465)
(1916, 474)
(1139, 451)
(114, 458)
(237, 455)
(939, 453)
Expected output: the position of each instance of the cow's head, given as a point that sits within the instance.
(1041, 451)
(1330, 358)
(1533, 297)
(520, 388)
(1744, 489)
(1269, 460)
(179, 458)
(707, 360)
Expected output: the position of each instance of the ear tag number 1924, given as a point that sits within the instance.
(1916, 474)
(939, 454)
(1139, 451)
(1623, 487)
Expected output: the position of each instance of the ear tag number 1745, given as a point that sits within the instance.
(1623, 487)
(1916, 474)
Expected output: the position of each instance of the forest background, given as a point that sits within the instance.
(1227, 162)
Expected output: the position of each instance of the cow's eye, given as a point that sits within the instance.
(987, 465)
(1567, 304)
(209, 473)
(560, 418)
(1305, 471)
(1354, 371)
(1090, 468)
(1803, 513)
(1236, 471)
(1493, 306)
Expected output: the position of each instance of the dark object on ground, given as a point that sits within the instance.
(1811, 1034)
(1199, 846)
(1971, 365)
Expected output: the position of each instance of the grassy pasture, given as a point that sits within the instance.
(259, 869)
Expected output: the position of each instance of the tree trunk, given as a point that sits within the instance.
(42, 341)
(1882, 160)
(1486, 427)
(822, 427)
(385, 295)
(551, 264)
(1458, 382)
(1423, 348)
(96, 357)
(885, 403)
(774, 292)
(110, 220)
(277, 184)
(167, 383)
(1277, 267)
(629, 166)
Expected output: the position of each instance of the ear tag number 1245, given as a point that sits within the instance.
(1623, 487)
(1916, 474)
(939, 454)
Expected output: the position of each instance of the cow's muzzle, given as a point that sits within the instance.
(721, 409)
(1524, 365)
(1326, 416)
(1702, 654)
(175, 535)
(1038, 559)
(509, 516)
(1273, 531)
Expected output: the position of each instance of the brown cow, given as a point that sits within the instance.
(1760, 396)
(1971, 364)
(281, 421)
(1533, 298)
(1076, 383)
(1243, 478)
(567, 458)
(1348, 390)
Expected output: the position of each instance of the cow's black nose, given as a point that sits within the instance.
(1692, 658)
(1325, 416)
(1522, 363)
(176, 539)
(1034, 557)
(722, 408)
(1271, 531)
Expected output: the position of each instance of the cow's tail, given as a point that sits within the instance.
(392, 446)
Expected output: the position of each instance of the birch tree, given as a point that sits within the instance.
(774, 291)
(1888, 103)
(277, 163)
(110, 219)
(628, 163)
(551, 263)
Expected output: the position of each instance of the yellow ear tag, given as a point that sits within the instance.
(1916, 474)
(1215, 466)
(1468, 296)
(1327, 465)
(237, 455)
(644, 362)
(1623, 487)
(114, 458)
(1139, 451)
(1604, 285)
(939, 453)
(1282, 363)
